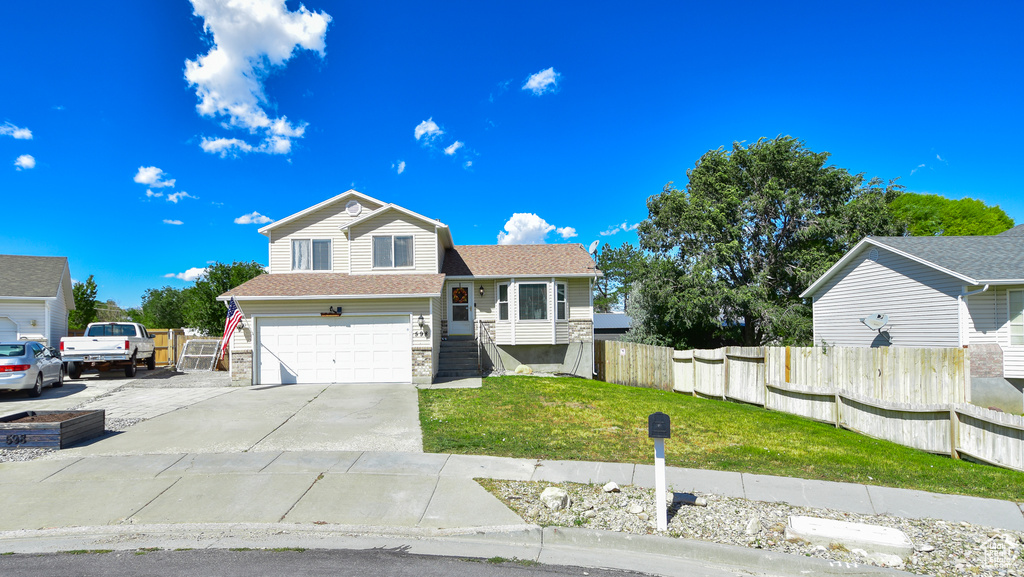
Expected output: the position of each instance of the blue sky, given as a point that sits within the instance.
(569, 115)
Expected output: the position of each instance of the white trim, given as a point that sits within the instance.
(17, 327)
(343, 315)
(823, 279)
(534, 276)
(12, 298)
(498, 301)
(46, 324)
(554, 310)
(471, 320)
(1009, 319)
(322, 297)
(329, 201)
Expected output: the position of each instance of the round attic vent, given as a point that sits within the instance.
(353, 208)
(873, 255)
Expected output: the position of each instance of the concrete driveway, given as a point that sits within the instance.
(282, 418)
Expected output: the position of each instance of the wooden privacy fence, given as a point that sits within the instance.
(912, 396)
(169, 344)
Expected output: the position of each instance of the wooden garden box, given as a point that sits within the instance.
(57, 434)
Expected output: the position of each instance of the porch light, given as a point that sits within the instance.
(420, 321)
(481, 291)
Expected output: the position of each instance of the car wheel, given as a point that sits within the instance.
(38, 388)
(60, 378)
(151, 362)
(129, 371)
(75, 370)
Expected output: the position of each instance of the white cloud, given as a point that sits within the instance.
(151, 194)
(187, 276)
(525, 228)
(398, 166)
(542, 82)
(468, 164)
(153, 177)
(253, 218)
(250, 40)
(429, 129)
(174, 222)
(566, 231)
(25, 162)
(11, 130)
(919, 167)
(176, 196)
(450, 150)
(620, 228)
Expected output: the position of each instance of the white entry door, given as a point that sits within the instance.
(371, 349)
(460, 308)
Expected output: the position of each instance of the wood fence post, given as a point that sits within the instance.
(954, 429)
(839, 404)
(725, 373)
(788, 359)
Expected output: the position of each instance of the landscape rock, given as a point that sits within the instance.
(524, 370)
(636, 509)
(611, 487)
(555, 498)
(753, 526)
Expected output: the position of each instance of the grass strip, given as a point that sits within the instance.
(578, 419)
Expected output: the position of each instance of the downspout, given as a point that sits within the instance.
(960, 310)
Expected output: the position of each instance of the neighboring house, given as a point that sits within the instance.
(35, 297)
(938, 291)
(611, 326)
(362, 291)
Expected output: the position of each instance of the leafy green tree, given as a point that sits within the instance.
(201, 310)
(110, 312)
(931, 215)
(621, 266)
(163, 308)
(753, 228)
(85, 304)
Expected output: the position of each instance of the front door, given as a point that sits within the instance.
(460, 308)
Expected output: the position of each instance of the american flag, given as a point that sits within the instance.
(230, 322)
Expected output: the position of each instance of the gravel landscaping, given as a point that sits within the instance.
(942, 548)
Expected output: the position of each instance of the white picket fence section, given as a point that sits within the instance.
(912, 396)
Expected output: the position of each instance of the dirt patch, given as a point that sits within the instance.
(48, 418)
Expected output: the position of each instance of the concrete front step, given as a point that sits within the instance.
(472, 365)
(445, 374)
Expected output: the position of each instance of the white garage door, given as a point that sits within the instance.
(375, 349)
(8, 330)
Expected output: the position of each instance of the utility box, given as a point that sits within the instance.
(659, 426)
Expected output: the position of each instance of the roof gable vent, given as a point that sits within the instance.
(873, 255)
(353, 208)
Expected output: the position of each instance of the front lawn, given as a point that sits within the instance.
(583, 420)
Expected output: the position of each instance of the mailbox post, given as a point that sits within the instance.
(659, 428)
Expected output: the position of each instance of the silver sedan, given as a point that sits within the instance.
(28, 365)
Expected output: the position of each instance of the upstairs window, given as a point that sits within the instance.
(392, 251)
(1016, 317)
(311, 254)
(533, 302)
(561, 307)
(503, 302)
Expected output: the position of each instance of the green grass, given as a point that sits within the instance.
(584, 420)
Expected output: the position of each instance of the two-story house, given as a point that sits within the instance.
(362, 291)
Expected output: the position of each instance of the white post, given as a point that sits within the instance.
(659, 483)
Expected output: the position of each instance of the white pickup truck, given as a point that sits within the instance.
(106, 346)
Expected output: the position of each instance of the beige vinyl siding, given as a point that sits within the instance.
(415, 307)
(397, 224)
(986, 315)
(921, 303)
(23, 312)
(325, 223)
(579, 299)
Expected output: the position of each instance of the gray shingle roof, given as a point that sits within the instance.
(1015, 231)
(982, 258)
(518, 259)
(31, 276)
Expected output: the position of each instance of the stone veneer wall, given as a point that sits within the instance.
(241, 366)
(422, 371)
(444, 328)
(581, 331)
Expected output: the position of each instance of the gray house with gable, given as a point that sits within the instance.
(938, 291)
(35, 297)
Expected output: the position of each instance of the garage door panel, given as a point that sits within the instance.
(334, 350)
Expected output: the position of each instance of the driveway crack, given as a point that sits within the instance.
(285, 422)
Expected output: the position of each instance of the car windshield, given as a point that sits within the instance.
(111, 331)
(12, 350)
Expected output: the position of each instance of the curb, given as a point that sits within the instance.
(653, 554)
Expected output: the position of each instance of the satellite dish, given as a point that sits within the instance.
(593, 247)
(876, 321)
